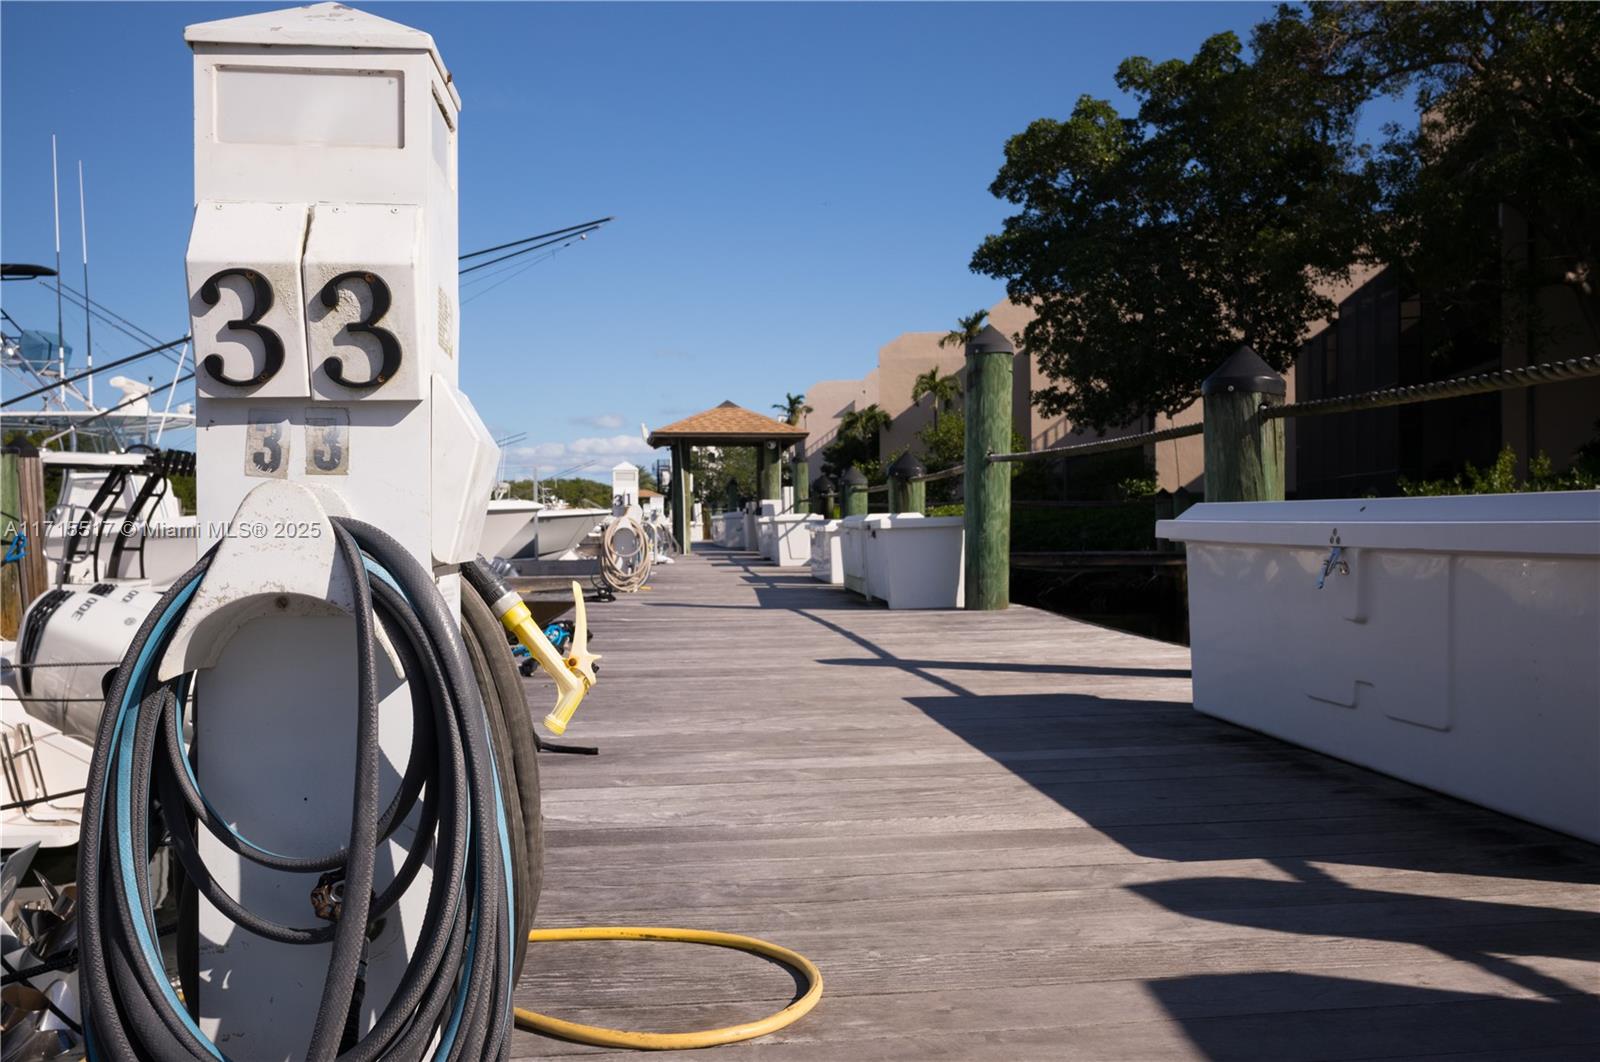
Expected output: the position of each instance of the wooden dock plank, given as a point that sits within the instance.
(1007, 835)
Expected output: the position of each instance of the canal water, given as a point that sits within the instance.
(1153, 605)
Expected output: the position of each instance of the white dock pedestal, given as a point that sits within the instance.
(853, 553)
(729, 530)
(791, 539)
(1453, 642)
(916, 561)
(827, 559)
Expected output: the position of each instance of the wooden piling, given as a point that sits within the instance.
(769, 474)
(823, 494)
(802, 486)
(854, 485)
(907, 494)
(1244, 451)
(21, 514)
(988, 486)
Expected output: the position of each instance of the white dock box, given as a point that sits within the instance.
(827, 553)
(791, 539)
(1454, 641)
(853, 553)
(916, 561)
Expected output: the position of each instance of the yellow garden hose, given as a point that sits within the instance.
(647, 1041)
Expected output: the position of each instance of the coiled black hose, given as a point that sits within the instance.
(456, 986)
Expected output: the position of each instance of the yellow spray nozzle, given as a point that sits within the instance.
(574, 675)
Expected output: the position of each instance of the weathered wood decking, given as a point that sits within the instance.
(1008, 836)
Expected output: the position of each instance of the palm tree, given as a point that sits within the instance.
(966, 330)
(865, 423)
(944, 389)
(793, 407)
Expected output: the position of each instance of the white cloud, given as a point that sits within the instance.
(605, 421)
(603, 450)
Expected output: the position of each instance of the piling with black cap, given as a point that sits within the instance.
(907, 494)
(1244, 450)
(855, 491)
(769, 473)
(988, 486)
(823, 494)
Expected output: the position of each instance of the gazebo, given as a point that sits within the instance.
(724, 426)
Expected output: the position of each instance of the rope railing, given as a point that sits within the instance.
(934, 477)
(1480, 383)
(1123, 442)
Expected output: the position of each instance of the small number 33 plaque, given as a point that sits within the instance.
(327, 442)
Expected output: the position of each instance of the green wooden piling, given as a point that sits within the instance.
(823, 493)
(11, 524)
(802, 486)
(854, 485)
(1244, 451)
(769, 473)
(907, 494)
(988, 486)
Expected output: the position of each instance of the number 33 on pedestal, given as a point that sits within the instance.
(260, 302)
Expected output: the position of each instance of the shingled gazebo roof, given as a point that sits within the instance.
(726, 425)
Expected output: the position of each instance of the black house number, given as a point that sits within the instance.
(261, 301)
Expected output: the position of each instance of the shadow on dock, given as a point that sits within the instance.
(1008, 836)
(1321, 834)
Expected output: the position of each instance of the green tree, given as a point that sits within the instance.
(856, 442)
(1150, 246)
(1509, 99)
(793, 407)
(944, 389)
(714, 466)
(966, 330)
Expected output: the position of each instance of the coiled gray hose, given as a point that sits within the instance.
(457, 984)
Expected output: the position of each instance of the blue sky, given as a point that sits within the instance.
(794, 185)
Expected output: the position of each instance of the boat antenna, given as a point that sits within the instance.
(61, 342)
(88, 334)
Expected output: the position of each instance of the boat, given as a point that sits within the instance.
(43, 772)
(559, 532)
(509, 527)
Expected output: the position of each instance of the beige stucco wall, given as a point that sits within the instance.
(830, 401)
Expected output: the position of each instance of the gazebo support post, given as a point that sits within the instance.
(802, 486)
(682, 507)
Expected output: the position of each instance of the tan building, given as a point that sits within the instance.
(1177, 463)
(909, 355)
